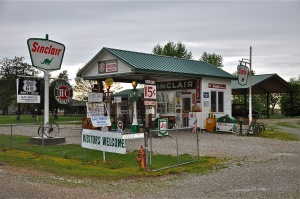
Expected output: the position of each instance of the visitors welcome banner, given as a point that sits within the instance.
(103, 141)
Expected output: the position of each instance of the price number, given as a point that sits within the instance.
(150, 92)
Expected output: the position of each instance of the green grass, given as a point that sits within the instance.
(287, 124)
(12, 119)
(275, 134)
(68, 160)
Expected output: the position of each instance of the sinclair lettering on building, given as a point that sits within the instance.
(46, 54)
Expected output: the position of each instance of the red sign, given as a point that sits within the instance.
(109, 66)
(217, 86)
(63, 92)
(149, 103)
(150, 92)
(185, 115)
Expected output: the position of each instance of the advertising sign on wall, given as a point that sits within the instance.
(28, 90)
(109, 66)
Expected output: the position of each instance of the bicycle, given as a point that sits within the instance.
(51, 130)
(256, 128)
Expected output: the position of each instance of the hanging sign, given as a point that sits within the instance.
(94, 109)
(100, 121)
(242, 74)
(63, 92)
(95, 97)
(28, 90)
(46, 54)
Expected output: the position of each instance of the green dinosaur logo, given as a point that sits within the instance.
(47, 61)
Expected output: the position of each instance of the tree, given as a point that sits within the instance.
(10, 70)
(285, 101)
(82, 87)
(173, 50)
(274, 99)
(213, 59)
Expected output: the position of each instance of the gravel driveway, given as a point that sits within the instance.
(260, 168)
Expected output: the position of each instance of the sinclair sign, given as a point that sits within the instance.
(46, 54)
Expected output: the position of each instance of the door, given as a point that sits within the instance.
(186, 108)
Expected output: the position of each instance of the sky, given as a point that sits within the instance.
(226, 28)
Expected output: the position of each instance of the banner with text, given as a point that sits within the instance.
(103, 141)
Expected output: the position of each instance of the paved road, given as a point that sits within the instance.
(261, 168)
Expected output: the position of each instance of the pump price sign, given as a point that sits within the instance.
(150, 92)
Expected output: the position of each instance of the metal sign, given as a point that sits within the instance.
(28, 90)
(63, 92)
(216, 86)
(150, 92)
(242, 74)
(95, 97)
(46, 54)
(163, 125)
(117, 99)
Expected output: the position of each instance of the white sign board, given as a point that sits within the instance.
(46, 54)
(95, 97)
(117, 99)
(100, 121)
(150, 92)
(242, 72)
(132, 136)
(103, 141)
(94, 109)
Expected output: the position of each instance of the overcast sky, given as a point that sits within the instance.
(227, 28)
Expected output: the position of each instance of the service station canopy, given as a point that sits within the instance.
(127, 66)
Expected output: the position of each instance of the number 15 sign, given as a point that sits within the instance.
(150, 92)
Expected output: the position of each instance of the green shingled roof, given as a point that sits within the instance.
(143, 62)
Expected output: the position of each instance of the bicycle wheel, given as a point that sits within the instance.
(260, 129)
(53, 130)
(40, 131)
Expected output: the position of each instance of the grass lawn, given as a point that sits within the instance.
(71, 160)
(24, 119)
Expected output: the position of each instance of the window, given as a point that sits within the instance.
(165, 102)
(217, 101)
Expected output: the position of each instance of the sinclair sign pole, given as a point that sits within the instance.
(46, 55)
